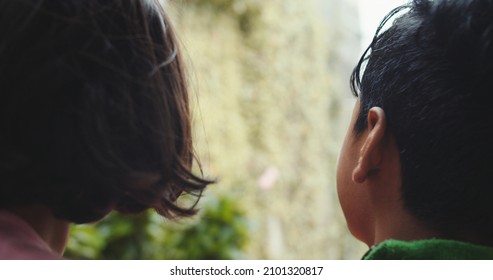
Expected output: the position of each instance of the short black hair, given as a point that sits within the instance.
(94, 112)
(431, 72)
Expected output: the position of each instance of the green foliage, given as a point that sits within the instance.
(264, 102)
(221, 233)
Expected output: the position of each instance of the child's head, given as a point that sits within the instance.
(429, 81)
(94, 114)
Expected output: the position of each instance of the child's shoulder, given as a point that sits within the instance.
(18, 241)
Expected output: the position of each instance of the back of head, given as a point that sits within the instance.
(94, 108)
(431, 73)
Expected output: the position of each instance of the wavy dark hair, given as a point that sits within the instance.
(94, 111)
(431, 72)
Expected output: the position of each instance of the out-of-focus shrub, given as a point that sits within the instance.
(220, 233)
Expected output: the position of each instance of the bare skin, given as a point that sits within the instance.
(369, 183)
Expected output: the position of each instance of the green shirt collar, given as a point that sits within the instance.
(430, 249)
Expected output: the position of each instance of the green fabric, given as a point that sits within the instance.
(430, 249)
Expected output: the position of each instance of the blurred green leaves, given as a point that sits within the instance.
(221, 232)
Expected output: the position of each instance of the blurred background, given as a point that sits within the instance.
(271, 106)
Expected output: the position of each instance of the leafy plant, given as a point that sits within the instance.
(220, 233)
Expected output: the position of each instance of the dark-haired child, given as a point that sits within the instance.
(414, 175)
(94, 117)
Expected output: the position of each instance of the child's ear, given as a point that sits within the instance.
(370, 156)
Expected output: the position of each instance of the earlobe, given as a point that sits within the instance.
(370, 155)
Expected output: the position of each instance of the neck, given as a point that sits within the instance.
(52, 230)
(401, 226)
